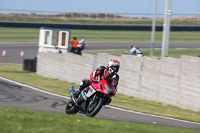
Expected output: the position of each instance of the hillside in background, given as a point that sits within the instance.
(96, 18)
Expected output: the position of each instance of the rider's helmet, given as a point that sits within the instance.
(113, 65)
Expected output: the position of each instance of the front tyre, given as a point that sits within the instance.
(94, 106)
(70, 108)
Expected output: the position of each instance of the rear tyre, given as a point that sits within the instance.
(94, 106)
(70, 108)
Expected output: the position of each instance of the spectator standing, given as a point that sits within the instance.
(74, 44)
(134, 50)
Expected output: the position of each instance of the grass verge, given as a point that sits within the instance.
(175, 53)
(15, 72)
(27, 121)
(32, 35)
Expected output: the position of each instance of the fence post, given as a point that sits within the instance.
(95, 61)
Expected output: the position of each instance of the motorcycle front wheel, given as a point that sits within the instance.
(94, 106)
(70, 108)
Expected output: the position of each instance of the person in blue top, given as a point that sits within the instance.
(134, 51)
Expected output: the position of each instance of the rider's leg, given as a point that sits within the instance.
(84, 83)
(82, 96)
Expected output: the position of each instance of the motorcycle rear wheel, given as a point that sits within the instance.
(69, 109)
(95, 107)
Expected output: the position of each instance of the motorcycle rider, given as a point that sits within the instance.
(110, 74)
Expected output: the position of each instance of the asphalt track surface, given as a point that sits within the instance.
(17, 95)
(30, 49)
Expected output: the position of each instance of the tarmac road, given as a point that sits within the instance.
(30, 49)
(17, 95)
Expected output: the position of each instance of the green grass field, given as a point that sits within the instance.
(175, 53)
(32, 35)
(26, 121)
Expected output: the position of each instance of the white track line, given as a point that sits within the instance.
(33, 88)
(106, 105)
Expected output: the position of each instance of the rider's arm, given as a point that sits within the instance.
(98, 71)
(116, 80)
(132, 51)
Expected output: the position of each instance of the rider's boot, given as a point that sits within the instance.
(72, 92)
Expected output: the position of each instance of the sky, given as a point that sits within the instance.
(103, 6)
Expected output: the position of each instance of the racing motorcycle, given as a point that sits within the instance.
(97, 95)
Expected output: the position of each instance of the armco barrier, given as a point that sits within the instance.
(97, 27)
(167, 80)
